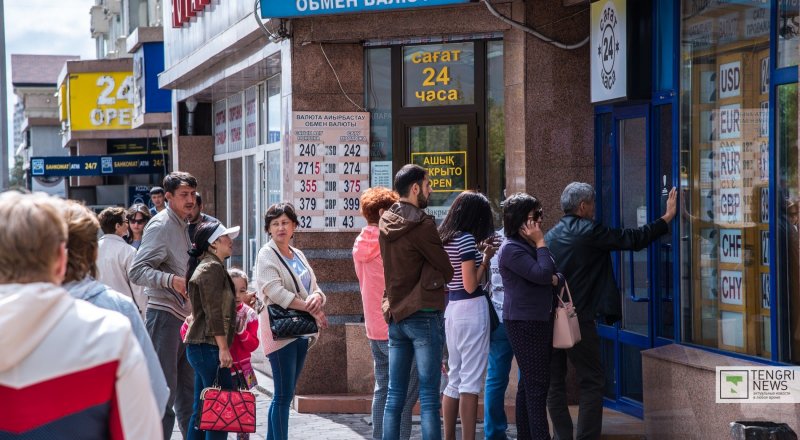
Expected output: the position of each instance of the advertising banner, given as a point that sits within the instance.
(608, 50)
(330, 168)
(97, 165)
(100, 100)
(305, 8)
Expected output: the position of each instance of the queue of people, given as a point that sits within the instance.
(523, 277)
(486, 295)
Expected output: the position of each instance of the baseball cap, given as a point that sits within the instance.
(222, 230)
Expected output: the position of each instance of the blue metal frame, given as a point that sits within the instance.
(777, 77)
(653, 154)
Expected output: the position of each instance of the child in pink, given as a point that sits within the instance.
(246, 339)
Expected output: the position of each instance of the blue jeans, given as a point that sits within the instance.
(417, 338)
(500, 357)
(204, 358)
(380, 356)
(287, 363)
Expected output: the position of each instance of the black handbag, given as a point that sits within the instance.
(290, 323)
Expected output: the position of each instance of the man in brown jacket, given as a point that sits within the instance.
(416, 269)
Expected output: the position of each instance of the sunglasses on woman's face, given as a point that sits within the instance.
(140, 221)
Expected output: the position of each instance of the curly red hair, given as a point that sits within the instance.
(375, 199)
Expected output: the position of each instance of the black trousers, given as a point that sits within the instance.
(532, 344)
(585, 357)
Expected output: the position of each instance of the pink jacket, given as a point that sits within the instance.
(244, 343)
(369, 269)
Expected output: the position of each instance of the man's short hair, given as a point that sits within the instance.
(109, 219)
(82, 226)
(156, 190)
(574, 194)
(407, 177)
(175, 179)
(32, 233)
(198, 199)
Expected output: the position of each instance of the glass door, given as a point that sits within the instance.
(633, 178)
(633, 274)
(445, 146)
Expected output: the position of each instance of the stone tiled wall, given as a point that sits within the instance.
(549, 124)
(680, 396)
(196, 155)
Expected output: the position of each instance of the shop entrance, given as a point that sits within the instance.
(439, 105)
(634, 179)
(446, 147)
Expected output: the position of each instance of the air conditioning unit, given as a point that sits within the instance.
(99, 23)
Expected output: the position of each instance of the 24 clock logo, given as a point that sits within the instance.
(608, 49)
(733, 384)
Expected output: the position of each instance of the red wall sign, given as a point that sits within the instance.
(184, 10)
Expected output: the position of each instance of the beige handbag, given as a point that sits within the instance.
(566, 330)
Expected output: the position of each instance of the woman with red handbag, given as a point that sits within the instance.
(211, 292)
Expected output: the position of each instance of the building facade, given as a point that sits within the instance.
(699, 95)
(34, 79)
(114, 129)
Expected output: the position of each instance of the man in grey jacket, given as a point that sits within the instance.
(160, 266)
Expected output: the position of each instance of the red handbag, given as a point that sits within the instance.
(227, 410)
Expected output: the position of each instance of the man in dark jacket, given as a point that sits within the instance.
(582, 250)
(416, 269)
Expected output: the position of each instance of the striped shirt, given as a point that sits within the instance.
(461, 248)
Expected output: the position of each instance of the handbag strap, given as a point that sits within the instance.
(291, 272)
(560, 296)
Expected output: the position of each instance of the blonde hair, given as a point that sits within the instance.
(82, 226)
(235, 272)
(33, 231)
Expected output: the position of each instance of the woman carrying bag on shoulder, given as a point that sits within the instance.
(213, 298)
(288, 285)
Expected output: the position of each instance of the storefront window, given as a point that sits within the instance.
(250, 118)
(496, 128)
(274, 109)
(787, 220)
(220, 127)
(439, 74)
(221, 196)
(725, 60)
(665, 41)
(606, 178)
(378, 93)
(788, 32)
(273, 177)
(250, 191)
(237, 188)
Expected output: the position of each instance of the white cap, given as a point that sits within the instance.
(222, 230)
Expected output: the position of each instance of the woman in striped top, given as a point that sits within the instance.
(468, 223)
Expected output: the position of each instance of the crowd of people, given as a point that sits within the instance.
(151, 305)
(439, 288)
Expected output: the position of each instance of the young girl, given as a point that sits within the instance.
(246, 339)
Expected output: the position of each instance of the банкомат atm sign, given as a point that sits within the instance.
(304, 8)
(758, 384)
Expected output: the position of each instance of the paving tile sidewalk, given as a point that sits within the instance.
(320, 426)
(616, 425)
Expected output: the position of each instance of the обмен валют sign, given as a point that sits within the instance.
(305, 8)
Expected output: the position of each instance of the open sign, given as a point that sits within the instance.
(730, 79)
(730, 245)
(731, 287)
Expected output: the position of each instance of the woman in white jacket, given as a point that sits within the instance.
(295, 289)
(75, 370)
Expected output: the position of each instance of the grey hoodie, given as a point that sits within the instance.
(102, 296)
